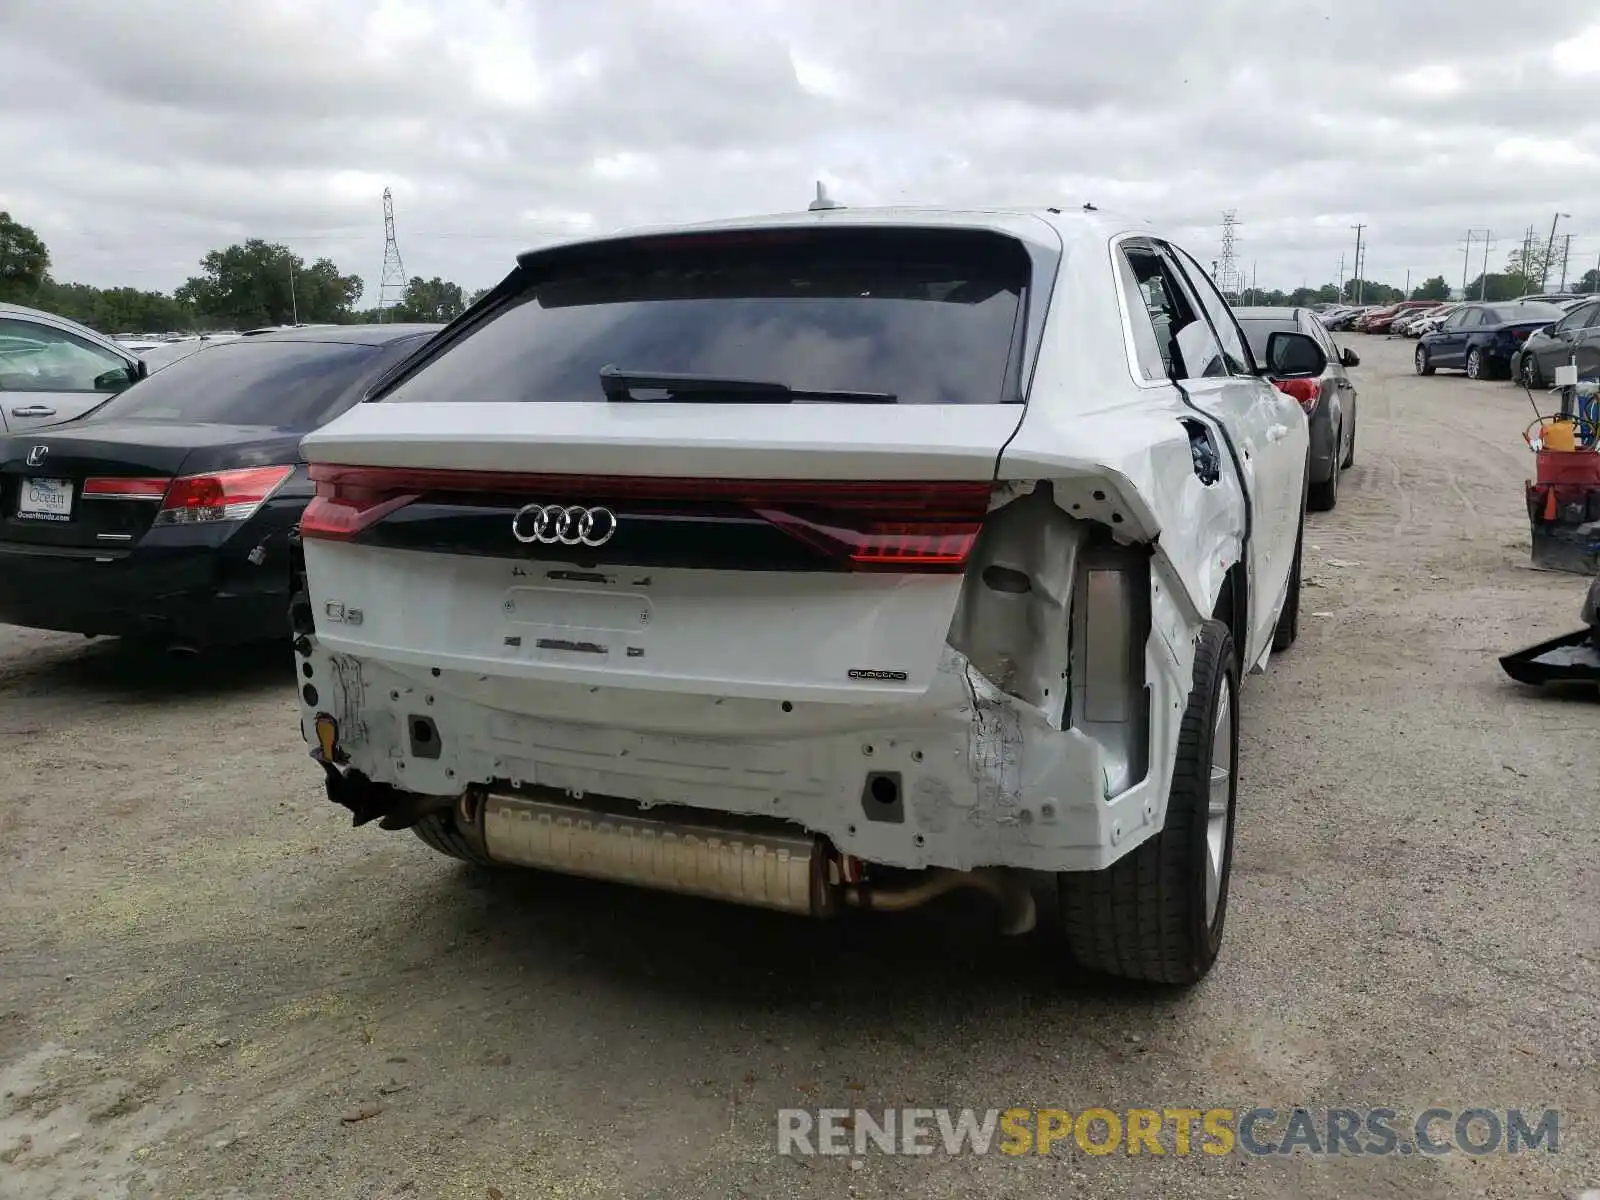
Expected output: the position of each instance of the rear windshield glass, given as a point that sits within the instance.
(282, 384)
(1511, 314)
(929, 317)
(1257, 332)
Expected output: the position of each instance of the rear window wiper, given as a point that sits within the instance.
(715, 389)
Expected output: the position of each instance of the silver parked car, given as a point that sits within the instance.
(53, 369)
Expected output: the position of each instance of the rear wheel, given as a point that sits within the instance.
(1349, 459)
(1477, 364)
(1325, 495)
(1156, 915)
(438, 831)
(1288, 627)
(1424, 364)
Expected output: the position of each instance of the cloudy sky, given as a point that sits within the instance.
(137, 134)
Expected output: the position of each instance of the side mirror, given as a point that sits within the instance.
(141, 370)
(1294, 356)
(116, 379)
(1349, 358)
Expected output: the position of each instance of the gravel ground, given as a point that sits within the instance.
(206, 976)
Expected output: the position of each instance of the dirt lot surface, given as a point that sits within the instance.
(210, 986)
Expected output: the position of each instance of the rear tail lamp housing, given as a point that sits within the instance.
(220, 495)
(919, 527)
(1307, 391)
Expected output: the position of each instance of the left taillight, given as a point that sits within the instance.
(1306, 391)
(220, 495)
(349, 499)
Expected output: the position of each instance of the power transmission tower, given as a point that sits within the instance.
(1230, 280)
(392, 282)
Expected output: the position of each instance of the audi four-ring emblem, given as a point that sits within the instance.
(563, 525)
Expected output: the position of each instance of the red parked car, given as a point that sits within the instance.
(1380, 321)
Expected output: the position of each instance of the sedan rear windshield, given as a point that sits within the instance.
(922, 316)
(287, 385)
(1257, 332)
(1515, 314)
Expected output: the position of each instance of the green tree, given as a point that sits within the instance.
(24, 260)
(1370, 292)
(430, 300)
(1497, 287)
(476, 296)
(1590, 281)
(259, 283)
(1432, 289)
(1528, 270)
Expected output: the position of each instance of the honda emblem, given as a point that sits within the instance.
(36, 456)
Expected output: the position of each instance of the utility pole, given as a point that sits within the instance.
(1408, 283)
(1483, 280)
(1466, 256)
(1341, 279)
(1550, 249)
(1566, 253)
(1358, 229)
(294, 302)
(1254, 291)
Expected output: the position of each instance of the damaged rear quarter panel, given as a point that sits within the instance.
(1131, 470)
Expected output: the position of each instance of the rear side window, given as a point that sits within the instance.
(289, 385)
(927, 316)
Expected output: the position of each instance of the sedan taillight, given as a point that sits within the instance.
(220, 495)
(1306, 391)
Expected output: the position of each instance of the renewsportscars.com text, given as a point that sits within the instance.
(1254, 1132)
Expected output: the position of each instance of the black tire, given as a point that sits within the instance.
(1424, 362)
(1477, 364)
(438, 831)
(1532, 377)
(1324, 496)
(1144, 917)
(1349, 459)
(1288, 627)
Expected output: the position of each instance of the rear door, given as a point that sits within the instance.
(602, 480)
(49, 374)
(1271, 427)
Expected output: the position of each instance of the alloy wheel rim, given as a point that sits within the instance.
(1422, 358)
(1219, 815)
(1472, 365)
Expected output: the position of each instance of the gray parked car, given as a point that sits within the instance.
(1329, 400)
(1576, 335)
(54, 370)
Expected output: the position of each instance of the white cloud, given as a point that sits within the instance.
(136, 137)
(1579, 54)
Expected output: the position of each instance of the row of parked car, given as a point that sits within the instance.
(806, 561)
(1524, 340)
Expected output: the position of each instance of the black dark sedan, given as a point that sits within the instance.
(1481, 339)
(1329, 401)
(165, 512)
